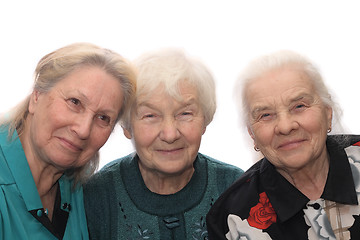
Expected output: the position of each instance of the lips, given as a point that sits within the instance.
(71, 145)
(169, 150)
(291, 144)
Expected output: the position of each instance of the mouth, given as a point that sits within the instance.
(174, 150)
(71, 145)
(289, 145)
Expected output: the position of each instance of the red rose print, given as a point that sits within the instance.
(262, 215)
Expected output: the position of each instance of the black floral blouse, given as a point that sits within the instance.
(262, 204)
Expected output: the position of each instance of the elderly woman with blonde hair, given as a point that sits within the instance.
(49, 144)
(165, 188)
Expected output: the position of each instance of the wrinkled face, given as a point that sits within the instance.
(166, 132)
(288, 121)
(68, 124)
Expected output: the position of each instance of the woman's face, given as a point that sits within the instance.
(69, 124)
(167, 132)
(288, 121)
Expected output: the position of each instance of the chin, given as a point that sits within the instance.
(64, 164)
(174, 171)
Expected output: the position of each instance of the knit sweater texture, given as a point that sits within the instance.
(120, 206)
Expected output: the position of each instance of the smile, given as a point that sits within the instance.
(170, 151)
(290, 145)
(70, 145)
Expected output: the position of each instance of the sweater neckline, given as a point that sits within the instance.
(163, 205)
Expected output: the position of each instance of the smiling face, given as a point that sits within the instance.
(166, 132)
(288, 121)
(67, 125)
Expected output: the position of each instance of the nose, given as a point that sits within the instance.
(169, 131)
(82, 125)
(285, 124)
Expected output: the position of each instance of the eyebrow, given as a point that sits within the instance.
(298, 97)
(87, 100)
(146, 104)
(301, 96)
(82, 95)
(186, 102)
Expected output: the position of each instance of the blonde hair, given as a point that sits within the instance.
(55, 66)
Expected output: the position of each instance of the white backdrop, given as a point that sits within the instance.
(224, 34)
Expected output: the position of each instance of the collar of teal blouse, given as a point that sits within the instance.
(22, 175)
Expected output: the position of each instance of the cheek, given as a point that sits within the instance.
(316, 123)
(54, 116)
(194, 137)
(193, 131)
(99, 138)
(263, 135)
(144, 135)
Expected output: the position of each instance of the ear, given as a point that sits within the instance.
(204, 130)
(127, 133)
(250, 132)
(329, 113)
(34, 97)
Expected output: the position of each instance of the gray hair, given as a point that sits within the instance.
(57, 65)
(169, 67)
(278, 60)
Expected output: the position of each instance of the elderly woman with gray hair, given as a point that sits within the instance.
(49, 144)
(165, 188)
(307, 185)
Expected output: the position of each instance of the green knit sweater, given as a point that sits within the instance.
(120, 206)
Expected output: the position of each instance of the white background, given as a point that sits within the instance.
(224, 34)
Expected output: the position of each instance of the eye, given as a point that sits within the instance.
(74, 101)
(299, 107)
(186, 115)
(74, 104)
(149, 116)
(104, 120)
(265, 116)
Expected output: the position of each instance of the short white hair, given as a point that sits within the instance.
(169, 67)
(277, 60)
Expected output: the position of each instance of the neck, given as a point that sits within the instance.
(309, 180)
(165, 184)
(45, 175)
(46, 180)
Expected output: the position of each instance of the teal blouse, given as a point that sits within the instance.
(19, 196)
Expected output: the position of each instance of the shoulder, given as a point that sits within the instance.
(220, 175)
(5, 173)
(242, 188)
(104, 177)
(219, 165)
(6, 147)
(343, 140)
(115, 164)
(235, 200)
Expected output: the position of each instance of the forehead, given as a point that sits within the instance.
(93, 85)
(279, 84)
(183, 92)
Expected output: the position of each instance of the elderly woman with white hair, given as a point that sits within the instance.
(165, 189)
(307, 185)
